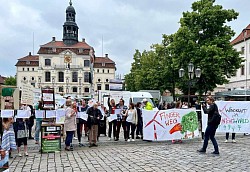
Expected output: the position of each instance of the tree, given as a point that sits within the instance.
(204, 39)
(10, 81)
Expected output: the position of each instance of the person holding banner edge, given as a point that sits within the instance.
(112, 124)
(211, 127)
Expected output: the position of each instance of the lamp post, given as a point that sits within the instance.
(191, 73)
(67, 84)
(245, 36)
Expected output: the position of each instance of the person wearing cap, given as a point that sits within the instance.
(94, 116)
(148, 105)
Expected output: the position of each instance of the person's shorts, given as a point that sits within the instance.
(22, 140)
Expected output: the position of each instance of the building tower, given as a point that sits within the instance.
(70, 28)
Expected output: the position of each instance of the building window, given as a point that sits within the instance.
(99, 80)
(24, 78)
(47, 77)
(60, 89)
(99, 87)
(86, 90)
(32, 78)
(106, 86)
(47, 62)
(86, 63)
(242, 50)
(98, 71)
(242, 70)
(108, 70)
(107, 80)
(74, 77)
(33, 69)
(27, 62)
(229, 89)
(103, 64)
(103, 71)
(86, 76)
(28, 69)
(33, 84)
(74, 89)
(23, 69)
(60, 77)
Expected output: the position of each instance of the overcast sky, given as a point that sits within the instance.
(125, 25)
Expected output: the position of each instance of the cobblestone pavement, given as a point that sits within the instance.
(139, 156)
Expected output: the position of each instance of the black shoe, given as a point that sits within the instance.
(137, 137)
(215, 153)
(201, 151)
(90, 145)
(81, 145)
(116, 139)
(94, 145)
(30, 138)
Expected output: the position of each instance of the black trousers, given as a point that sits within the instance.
(139, 128)
(132, 126)
(119, 124)
(233, 136)
(79, 131)
(112, 125)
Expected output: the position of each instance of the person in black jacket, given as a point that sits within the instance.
(211, 127)
(94, 116)
(140, 121)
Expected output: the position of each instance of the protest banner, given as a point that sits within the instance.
(82, 115)
(50, 114)
(170, 124)
(235, 117)
(7, 113)
(48, 97)
(40, 113)
(112, 117)
(27, 96)
(23, 113)
(60, 116)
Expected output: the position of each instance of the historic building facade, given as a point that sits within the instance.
(69, 66)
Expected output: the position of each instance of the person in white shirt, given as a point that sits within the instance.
(131, 121)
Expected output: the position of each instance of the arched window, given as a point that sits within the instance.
(74, 77)
(74, 89)
(86, 90)
(86, 76)
(60, 89)
(60, 77)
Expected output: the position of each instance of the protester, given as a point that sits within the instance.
(112, 124)
(211, 127)
(94, 116)
(38, 123)
(8, 139)
(22, 135)
(147, 104)
(139, 127)
(81, 122)
(31, 121)
(69, 124)
(132, 120)
(233, 137)
(121, 119)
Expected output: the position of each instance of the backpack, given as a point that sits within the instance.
(216, 117)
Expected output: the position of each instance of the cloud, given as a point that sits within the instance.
(124, 25)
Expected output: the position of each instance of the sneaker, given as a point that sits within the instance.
(226, 141)
(201, 151)
(20, 155)
(81, 145)
(234, 141)
(116, 139)
(26, 154)
(94, 145)
(75, 138)
(133, 140)
(109, 138)
(128, 140)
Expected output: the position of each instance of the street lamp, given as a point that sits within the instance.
(39, 82)
(245, 36)
(191, 74)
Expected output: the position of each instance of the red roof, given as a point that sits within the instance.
(240, 38)
(108, 63)
(60, 47)
(29, 60)
(2, 79)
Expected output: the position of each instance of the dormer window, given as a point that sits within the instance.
(53, 49)
(27, 62)
(80, 50)
(103, 64)
(47, 62)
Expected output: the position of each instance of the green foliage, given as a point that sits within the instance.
(10, 81)
(203, 39)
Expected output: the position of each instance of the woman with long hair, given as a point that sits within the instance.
(131, 121)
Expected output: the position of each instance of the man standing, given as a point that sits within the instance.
(121, 119)
(80, 122)
(94, 116)
(212, 125)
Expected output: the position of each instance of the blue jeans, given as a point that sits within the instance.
(133, 126)
(209, 134)
(38, 129)
(69, 137)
